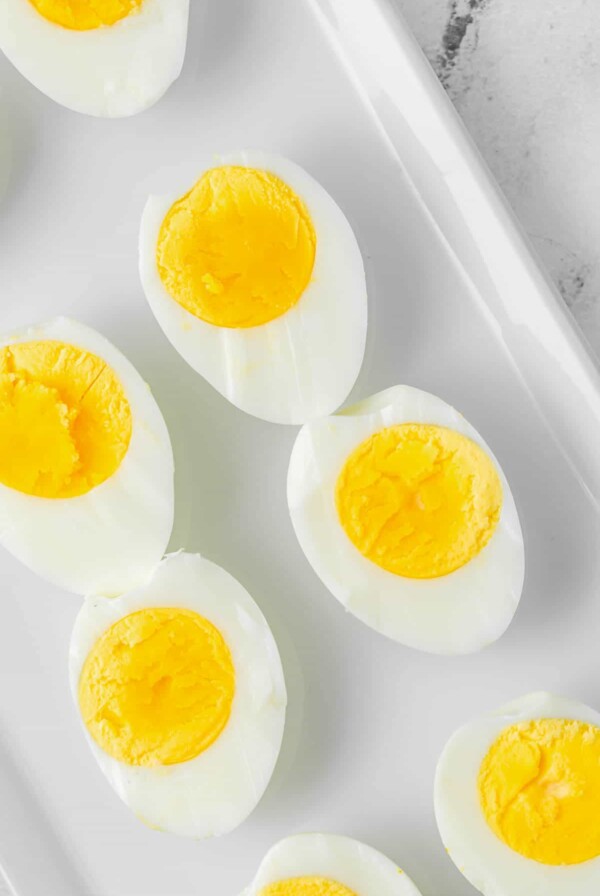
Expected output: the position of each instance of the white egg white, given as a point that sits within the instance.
(213, 793)
(489, 864)
(300, 365)
(109, 539)
(357, 866)
(457, 613)
(111, 71)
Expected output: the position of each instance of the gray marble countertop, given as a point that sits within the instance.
(525, 77)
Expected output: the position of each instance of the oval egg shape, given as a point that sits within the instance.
(86, 466)
(328, 865)
(407, 518)
(257, 280)
(181, 692)
(101, 58)
(516, 798)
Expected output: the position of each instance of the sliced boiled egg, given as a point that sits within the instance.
(181, 692)
(104, 57)
(517, 799)
(256, 278)
(86, 467)
(328, 865)
(405, 515)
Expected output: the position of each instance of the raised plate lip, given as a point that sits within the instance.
(396, 80)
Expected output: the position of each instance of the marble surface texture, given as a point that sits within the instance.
(525, 77)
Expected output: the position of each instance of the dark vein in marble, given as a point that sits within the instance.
(463, 15)
(572, 284)
(572, 273)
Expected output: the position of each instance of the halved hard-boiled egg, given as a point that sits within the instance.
(517, 799)
(181, 691)
(256, 278)
(405, 515)
(86, 467)
(328, 865)
(104, 57)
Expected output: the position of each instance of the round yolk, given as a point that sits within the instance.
(238, 250)
(85, 15)
(65, 422)
(539, 789)
(157, 687)
(419, 500)
(306, 886)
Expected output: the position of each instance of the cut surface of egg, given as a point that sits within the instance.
(517, 798)
(181, 692)
(86, 466)
(328, 865)
(108, 58)
(405, 515)
(249, 273)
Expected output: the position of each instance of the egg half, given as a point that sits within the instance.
(405, 515)
(103, 57)
(181, 692)
(517, 799)
(256, 279)
(86, 467)
(328, 865)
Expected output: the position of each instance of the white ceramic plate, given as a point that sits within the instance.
(457, 307)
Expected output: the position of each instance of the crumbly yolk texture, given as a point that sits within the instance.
(85, 15)
(157, 687)
(65, 421)
(539, 788)
(238, 250)
(306, 886)
(419, 500)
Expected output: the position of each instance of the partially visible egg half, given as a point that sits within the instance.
(86, 467)
(405, 515)
(181, 692)
(257, 280)
(328, 865)
(103, 57)
(517, 799)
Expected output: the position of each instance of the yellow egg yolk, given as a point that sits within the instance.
(306, 886)
(85, 15)
(419, 500)
(157, 687)
(539, 788)
(238, 250)
(65, 422)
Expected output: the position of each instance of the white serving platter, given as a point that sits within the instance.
(458, 306)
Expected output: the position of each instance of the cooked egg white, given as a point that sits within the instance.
(181, 692)
(405, 515)
(517, 796)
(256, 278)
(328, 865)
(103, 57)
(86, 467)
